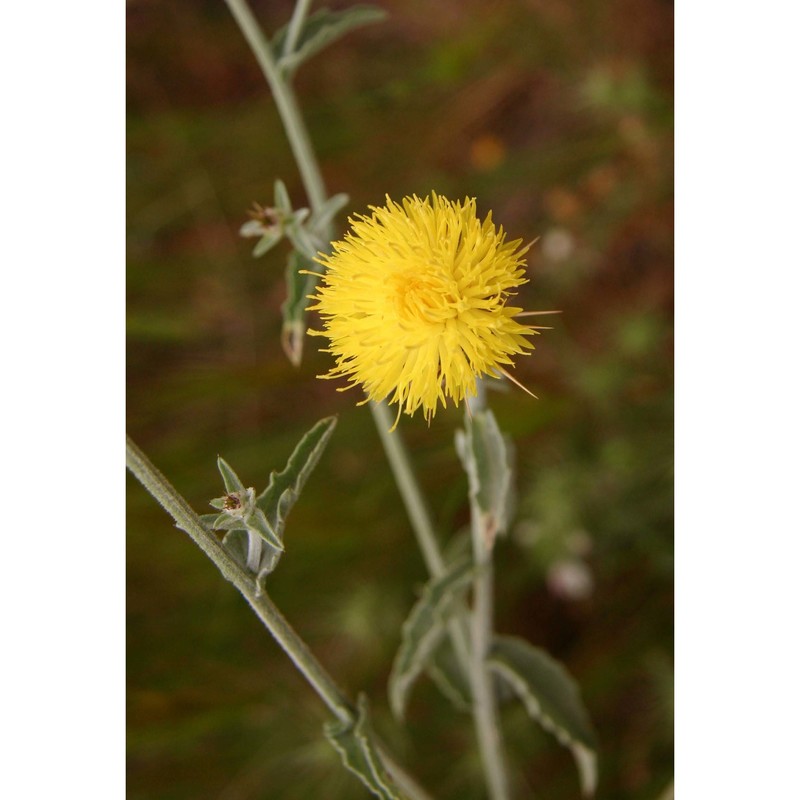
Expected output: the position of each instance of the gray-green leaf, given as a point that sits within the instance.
(267, 242)
(355, 744)
(321, 29)
(551, 697)
(257, 522)
(298, 287)
(252, 228)
(236, 542)
(208, 521)
(486, 459)
(284, 487)
(444, 670)
(424, 629)
(230, 478)
(301, 239)
(325, 214)
(225, 522)
(282, 202)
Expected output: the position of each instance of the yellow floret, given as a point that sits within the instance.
(414, 302)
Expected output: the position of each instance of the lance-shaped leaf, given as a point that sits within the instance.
(229, 477)
(551, 697)
(299, 285)
(301, 271)
(236, 542)
(355, 744)
(486, 459)
(208, 521)
(444, 670)
(282, 202)
(267, 242)
(292, 222)
(284, 487)
(222, 522)
(301, 239)
(252, 228)
(257, 523)
(321, 29)
(424, 629)
(268, 235)
(239, 544)
(327, 211)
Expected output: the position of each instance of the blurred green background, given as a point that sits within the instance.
(557, 116)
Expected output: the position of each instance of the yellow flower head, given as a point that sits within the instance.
(414, 302)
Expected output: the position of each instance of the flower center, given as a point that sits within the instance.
(424, 298)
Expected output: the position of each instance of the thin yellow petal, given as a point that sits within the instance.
(414, 302)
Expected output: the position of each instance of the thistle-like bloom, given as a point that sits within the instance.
(414, 302)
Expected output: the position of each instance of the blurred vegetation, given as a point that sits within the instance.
(557, 116)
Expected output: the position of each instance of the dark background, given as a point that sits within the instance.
(557, 116)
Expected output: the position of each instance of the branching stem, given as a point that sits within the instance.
(470, 650)
(186, 519)
(285, 101)
(296, 25)
(418, 514)
(283, 633)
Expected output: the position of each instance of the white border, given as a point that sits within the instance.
(62, 339)
(736, 400)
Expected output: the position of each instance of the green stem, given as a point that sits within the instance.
(471, 658)
(300, 143)
(295, 26)
(484, 705)
(409, 489)
(294, 647)
(308, 166)
(420, 517)
(286, 103)
(186, 519)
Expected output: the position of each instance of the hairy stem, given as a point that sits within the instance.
(285, 101)
(484, 705)
(409, 489)
(307, 164)
(296, 25)
(471, 654)
(418, 514)
(186, 519)
(283, 633)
